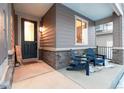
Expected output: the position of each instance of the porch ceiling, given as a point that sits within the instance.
(94, 11)
(35, 9)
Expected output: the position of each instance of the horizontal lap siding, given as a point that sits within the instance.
(65, 28)
(91, 35)
(48, 36)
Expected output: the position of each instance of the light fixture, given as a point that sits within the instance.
(40, 29)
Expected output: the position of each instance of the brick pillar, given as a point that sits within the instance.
(118, 39)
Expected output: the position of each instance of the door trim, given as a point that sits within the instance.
(36, 37)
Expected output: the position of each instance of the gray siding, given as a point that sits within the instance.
(65, 28)
(48, 36)
(123, 30)
(118, 39)
(117, 31)
(105, 20)
(3, 50)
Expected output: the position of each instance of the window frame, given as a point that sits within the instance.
(86, 38)
(105, 27)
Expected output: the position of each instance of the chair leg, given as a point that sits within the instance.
(94, 63)
(103, 63)
(87, 69)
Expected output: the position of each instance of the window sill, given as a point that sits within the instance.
(80, 44)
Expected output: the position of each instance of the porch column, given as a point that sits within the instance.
(118, 39)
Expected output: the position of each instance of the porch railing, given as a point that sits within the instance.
(104, 50)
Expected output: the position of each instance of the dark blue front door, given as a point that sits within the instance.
(29, 38)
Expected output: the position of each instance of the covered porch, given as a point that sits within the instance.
(54, 35)
(57, 36)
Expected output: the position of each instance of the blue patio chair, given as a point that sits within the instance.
(95, 58)
(78, 63)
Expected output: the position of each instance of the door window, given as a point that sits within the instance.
(28, 31)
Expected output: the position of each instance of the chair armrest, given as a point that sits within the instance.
(84, 60)
(100, 55)
(80, 56)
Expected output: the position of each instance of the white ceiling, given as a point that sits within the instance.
(94, 11)
(35, 9)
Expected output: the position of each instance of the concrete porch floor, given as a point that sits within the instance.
(107, 78)
(42, 76)
(45, 78)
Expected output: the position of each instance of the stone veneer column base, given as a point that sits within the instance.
(118, 56)
(57, 59)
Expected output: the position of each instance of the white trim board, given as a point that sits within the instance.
(63, 49)
(117, 8)
(118, 48)
(74, 48)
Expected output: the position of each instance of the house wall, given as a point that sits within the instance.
(6, 66)
(59, 36)
(118, 32)
(48, 39)
(65, 28)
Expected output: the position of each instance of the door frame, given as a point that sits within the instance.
(36, 37)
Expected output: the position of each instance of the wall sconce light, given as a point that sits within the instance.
(40, 29)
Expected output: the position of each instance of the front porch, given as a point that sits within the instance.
(49, 38)
(49, 78)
